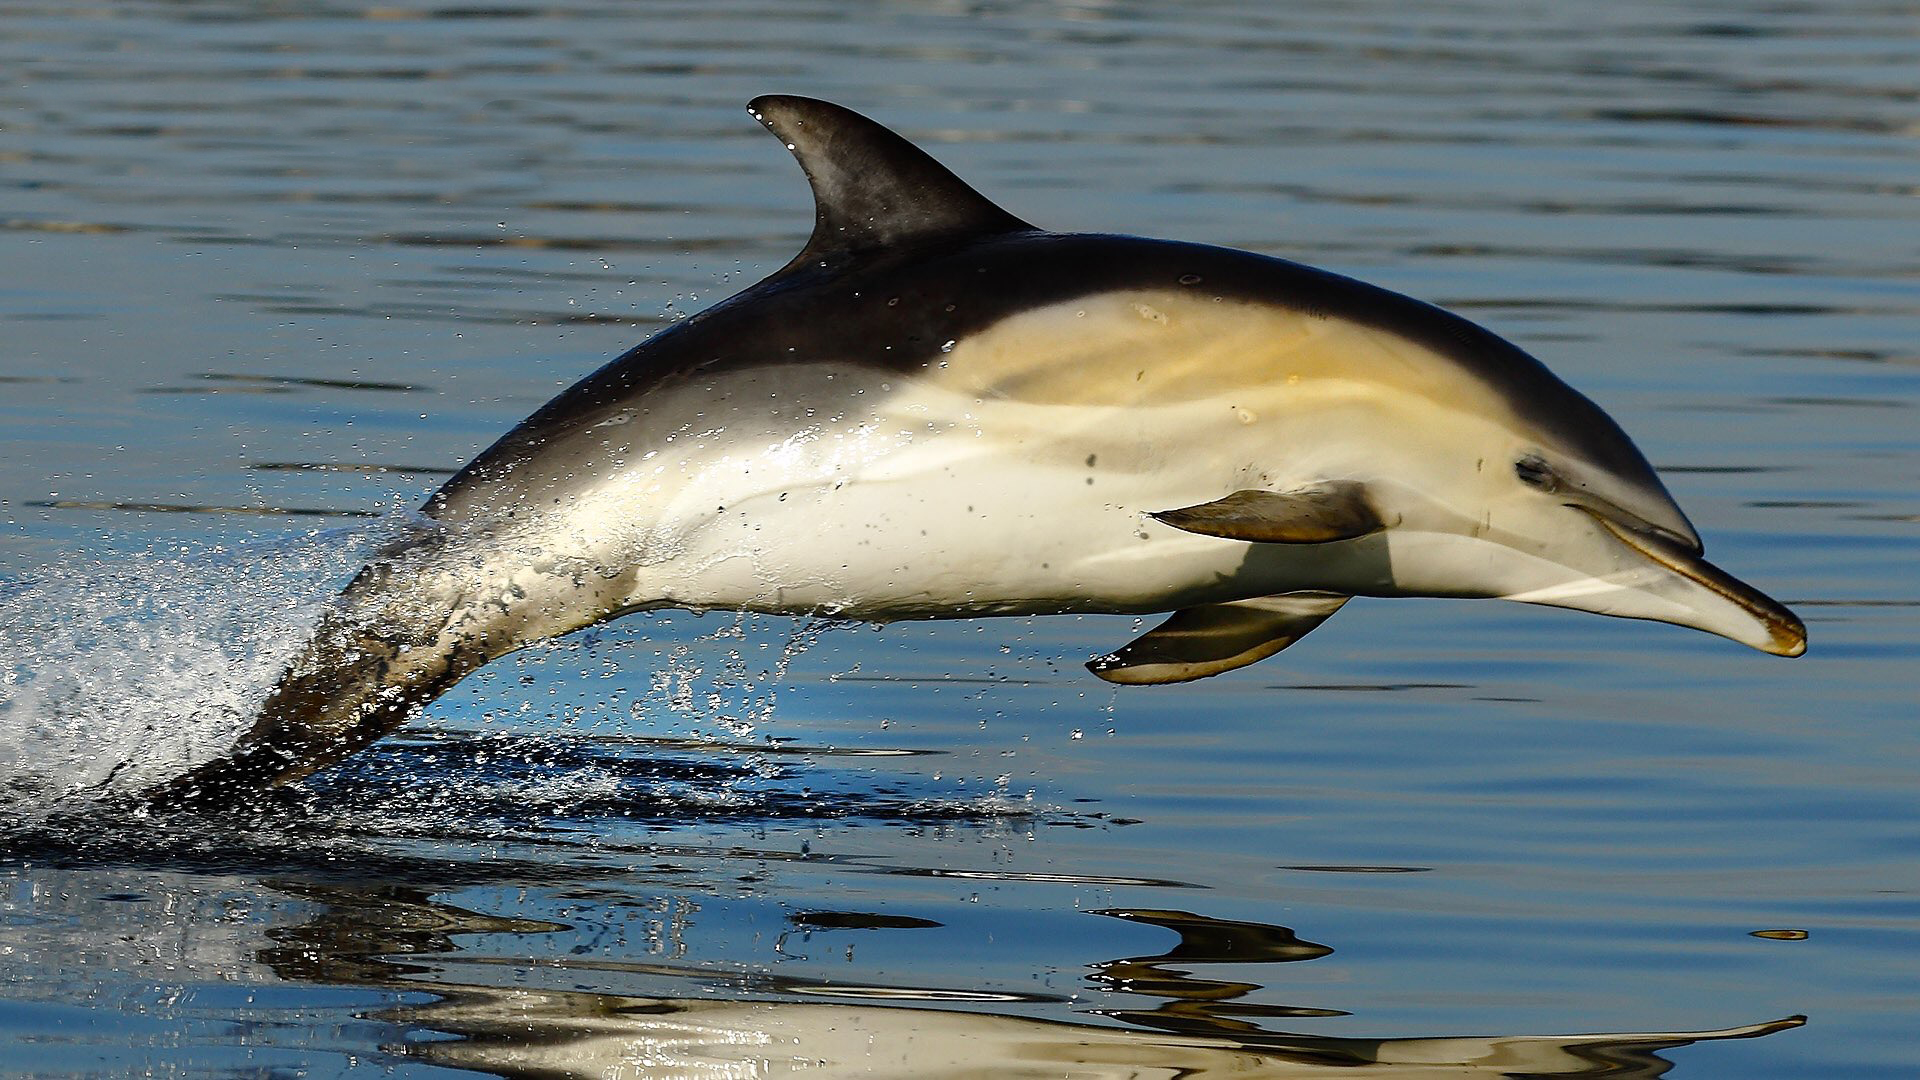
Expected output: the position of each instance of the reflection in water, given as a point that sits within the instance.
(389, 936)
(857, 920)
(1198, 1006)
(555, 1034)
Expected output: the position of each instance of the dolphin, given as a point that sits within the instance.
(937, 410)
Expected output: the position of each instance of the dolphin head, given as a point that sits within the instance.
(1530, 492)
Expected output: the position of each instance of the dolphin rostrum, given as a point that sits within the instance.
(937, 410)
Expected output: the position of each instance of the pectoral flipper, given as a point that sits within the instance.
(1203, 641)
(1320, 514)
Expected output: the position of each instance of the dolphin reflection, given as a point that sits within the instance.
(565, 1034)
(771, 1025)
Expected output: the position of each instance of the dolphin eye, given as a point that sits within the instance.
(1535, 473)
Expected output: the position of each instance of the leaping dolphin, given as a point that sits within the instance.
(937, 410)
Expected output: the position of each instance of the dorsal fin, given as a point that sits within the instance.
(873, 189)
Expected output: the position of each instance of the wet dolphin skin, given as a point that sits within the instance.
(937, 410)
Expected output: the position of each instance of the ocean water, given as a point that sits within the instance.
(269, 273)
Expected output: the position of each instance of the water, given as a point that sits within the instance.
(271, 272)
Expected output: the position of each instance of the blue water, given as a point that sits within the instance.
(270, 273)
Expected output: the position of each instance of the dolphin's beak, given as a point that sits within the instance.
(1698, 594)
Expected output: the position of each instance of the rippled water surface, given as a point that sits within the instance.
(272, 271)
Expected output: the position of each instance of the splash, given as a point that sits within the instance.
(740, 695)
(120, 674)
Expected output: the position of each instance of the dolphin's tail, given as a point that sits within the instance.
(406, 629)
(360, 676)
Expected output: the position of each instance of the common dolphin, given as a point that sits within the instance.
(937, 410)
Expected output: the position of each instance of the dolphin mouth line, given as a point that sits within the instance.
(1786, 633)
(1617, 517)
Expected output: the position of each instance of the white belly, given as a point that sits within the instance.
(970, 546)
(941, 505)
(1017, 479)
